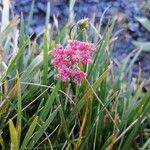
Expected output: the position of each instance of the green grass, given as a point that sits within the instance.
(109, 110)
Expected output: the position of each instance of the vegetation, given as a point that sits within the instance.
(106, 110)
(145, 46)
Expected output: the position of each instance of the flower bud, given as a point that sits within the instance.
(83, 23)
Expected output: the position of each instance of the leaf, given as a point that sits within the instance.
(3, 69)
(30, 15)
(19, 109)
(145, 22)
(146, 144)
(145, 46)
(49, 102)
(65, 126)
(1, 141)
(131, 106)
(101, 56)
(107, 143)
(81, 102)
(31, 70)
(98, 122)
(13, 136)
(22, 31)
(45, 58)
(71, 12)
(48, 10)
(143, 107)
(15, 60)
(42, 129)
(4, 106)
(29, 133)
(5, 14)
(130, 137)
(8, 29)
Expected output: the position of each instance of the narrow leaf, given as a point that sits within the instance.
(42, 129)
(29, 133)
(13, 136)
(145, 22)
(49, 102)
(145, 46)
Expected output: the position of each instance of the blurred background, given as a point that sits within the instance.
(128, 27)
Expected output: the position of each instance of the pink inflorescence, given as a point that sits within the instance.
(65, 60)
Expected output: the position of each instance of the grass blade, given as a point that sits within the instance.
(45, 59)
(15, 60)
(19, 109)
(29, 133)
(42, 129)
(146, 145)
(50, 102)
(30, 15)
(2, 142)
(81, 103)
(14, 136)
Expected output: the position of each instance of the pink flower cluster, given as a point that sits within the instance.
(65, 60)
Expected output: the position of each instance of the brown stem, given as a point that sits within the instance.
(79, 140)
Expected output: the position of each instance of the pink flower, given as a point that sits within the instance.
(65, 74)
(83, 49)
(81, 46)
(78, 76)
(65, 60)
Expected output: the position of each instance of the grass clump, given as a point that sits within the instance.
(106, 110)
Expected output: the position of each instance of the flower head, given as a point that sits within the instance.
(83, 23)
(65, 60)
(78, 76)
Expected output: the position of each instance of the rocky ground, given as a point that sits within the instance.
(127, 10)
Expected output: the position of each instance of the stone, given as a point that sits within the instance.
(133, 26)
(41, 7)
(92, 1)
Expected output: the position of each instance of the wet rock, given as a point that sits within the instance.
(92, 1)
(41, 7)
(65, 11)
(39, 29)
(133, 26)
(56, 11)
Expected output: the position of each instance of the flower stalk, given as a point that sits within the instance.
(1, 87)
(82, 128)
